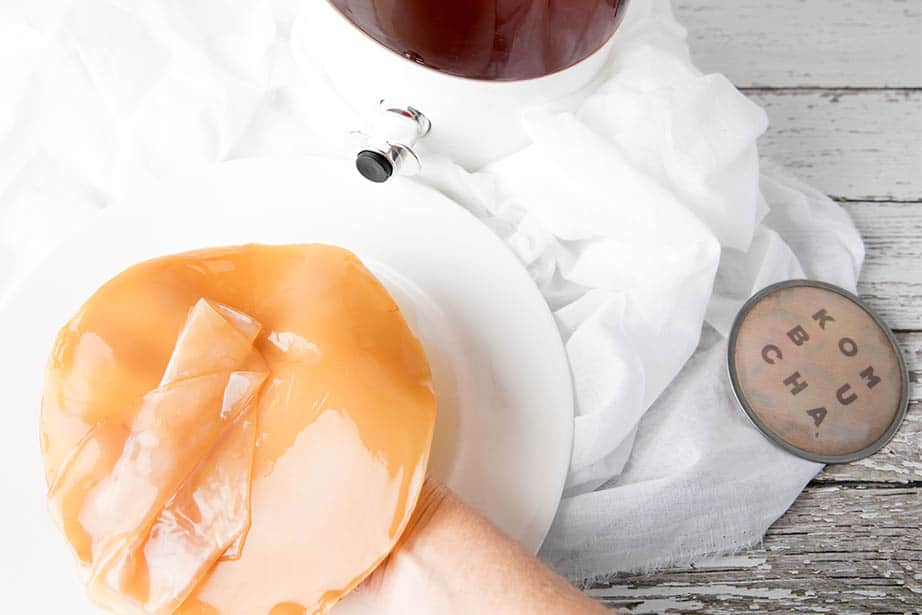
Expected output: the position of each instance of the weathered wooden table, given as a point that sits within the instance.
(842, 83)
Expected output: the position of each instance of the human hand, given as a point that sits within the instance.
(452, 560)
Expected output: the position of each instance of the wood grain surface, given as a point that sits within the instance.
(841, 81)
(851, 144)
(807, 43)
(891, 281)
(839, 549)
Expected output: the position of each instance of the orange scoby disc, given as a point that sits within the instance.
(235, 431)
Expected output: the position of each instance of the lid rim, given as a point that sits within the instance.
(735, 385)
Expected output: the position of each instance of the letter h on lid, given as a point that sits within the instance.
(794, 381)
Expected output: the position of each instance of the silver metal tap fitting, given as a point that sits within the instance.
(388, 150)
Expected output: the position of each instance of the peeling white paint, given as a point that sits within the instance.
(739, 560)
(671, 589)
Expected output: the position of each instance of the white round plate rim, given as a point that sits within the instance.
(390, 227)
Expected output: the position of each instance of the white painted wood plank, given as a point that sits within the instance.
(891, 281)
(838, 550)
(824, 43)
(853, 145)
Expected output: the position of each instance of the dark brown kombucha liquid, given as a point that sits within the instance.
(499, 40)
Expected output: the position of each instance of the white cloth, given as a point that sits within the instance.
(642, 216)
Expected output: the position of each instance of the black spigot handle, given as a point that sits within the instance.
(374, 166)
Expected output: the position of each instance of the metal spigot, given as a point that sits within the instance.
(388, 150)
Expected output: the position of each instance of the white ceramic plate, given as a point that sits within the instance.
(504, 431)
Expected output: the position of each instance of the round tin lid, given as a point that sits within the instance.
(817, 371)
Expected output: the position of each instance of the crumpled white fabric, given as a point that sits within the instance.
(641, 213)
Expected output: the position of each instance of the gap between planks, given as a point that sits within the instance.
(799, 89)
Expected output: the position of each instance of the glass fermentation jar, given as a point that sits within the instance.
(495, 40)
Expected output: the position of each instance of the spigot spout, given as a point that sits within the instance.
(389, 149)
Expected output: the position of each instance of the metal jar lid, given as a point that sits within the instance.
(818, 372)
